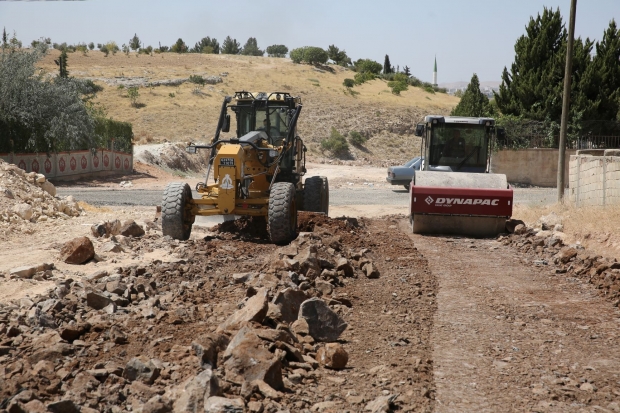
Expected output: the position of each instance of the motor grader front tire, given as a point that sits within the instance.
(176, 217)
(282, 214)
(316, 194)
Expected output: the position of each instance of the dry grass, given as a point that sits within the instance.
(193, 116)
(595, 227)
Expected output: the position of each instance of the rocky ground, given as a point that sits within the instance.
(327, 323)
(356, 314)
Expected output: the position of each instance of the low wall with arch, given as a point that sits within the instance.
(73, 165)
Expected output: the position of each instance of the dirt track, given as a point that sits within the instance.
(510, 336)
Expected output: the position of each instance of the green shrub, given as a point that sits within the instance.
(349, 82)
(197, 79)
(277, 50)
(398, 87)
(336, 143)
(367, 65)
(357, 138)
(363, 77)
(429, 89)
(104, 50)
(133, 95)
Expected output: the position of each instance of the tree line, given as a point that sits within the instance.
(532, 86)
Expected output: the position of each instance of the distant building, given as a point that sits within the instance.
(435, 73)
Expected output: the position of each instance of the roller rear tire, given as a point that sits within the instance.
(282, 215)
(176, 219)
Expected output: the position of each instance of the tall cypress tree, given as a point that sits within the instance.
(387, 67)
(474, 102)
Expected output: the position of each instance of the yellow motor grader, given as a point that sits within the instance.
(258, 173)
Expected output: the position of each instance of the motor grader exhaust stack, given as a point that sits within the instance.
(257, 173)
(453, 193)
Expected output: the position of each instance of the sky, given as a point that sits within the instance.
(466, 36)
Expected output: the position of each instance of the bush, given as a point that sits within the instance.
(297, 55)
(363, 77)
(197, 79)
(133, 95)
(349, 82)
(367, 65)
(356, 138)
(336, 143)
(399, 83)
(429, 89)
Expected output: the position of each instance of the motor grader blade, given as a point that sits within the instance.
(476, 205)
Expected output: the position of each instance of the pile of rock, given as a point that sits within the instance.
(547, 241)
(164, 337)
(30, 197)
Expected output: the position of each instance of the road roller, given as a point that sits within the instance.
(454, 191)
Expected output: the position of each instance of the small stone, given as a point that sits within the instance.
(343, 265)
(332, 355)
(370, 270)
(63, 406)
(381, 404)
(24, 211)
(97, 300)
(255, 407)
(155, 404)
(324, 287)
(195, 390)
(300, 326)
(218, 404)
(140, 369)
(240, 278)
(131, 229)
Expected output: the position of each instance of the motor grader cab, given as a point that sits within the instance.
(454, 193)
(257, 173)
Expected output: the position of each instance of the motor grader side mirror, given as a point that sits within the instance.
(191, 149)
(226, 125)
(419, 129)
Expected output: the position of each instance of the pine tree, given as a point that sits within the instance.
(231, 46)
(407, 71)
(179, 47)
(338, 56)
(533, 87)
(387, 67)
(207, 45)
(5, 38)
(134, 43)
(251, 48)
(473, 102)
(606, 65)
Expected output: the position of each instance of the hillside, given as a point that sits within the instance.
(184, 113)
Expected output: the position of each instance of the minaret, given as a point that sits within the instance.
(435, 72)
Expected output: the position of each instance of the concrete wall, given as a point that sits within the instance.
(73, 165)
(538, 167)
(594, 180)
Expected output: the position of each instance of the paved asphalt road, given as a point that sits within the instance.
(337, 197)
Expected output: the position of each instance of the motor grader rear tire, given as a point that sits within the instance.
(282, 215)
(176, 219)
(316, 194)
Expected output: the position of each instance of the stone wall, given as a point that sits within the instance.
(595, 178)
(73, 165)
(538, 167)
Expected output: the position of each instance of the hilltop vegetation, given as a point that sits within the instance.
(189, 111)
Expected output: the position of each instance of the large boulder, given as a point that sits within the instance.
(77, 251)
(289, 300)
(195, 391)
(323, 323)
(248, 360)
(255, 309)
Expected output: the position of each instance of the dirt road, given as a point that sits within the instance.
(510, 336)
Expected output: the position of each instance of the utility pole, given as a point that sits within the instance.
(566, 100)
